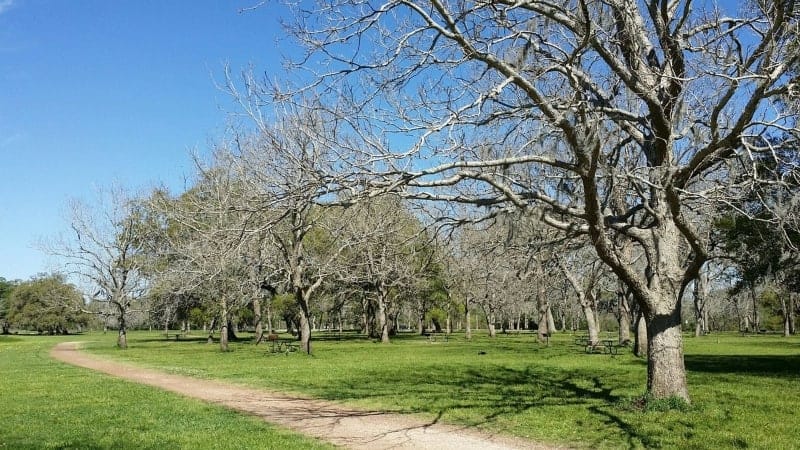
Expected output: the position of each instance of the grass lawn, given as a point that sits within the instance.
(745, 390)
(50, 405)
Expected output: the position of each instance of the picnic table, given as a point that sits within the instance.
(280, 345)
(177, 335)
(606, 345)
(432, 336)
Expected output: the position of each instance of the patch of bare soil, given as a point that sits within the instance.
(342, 426)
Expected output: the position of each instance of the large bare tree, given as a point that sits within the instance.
(611, 119)
(102, 250)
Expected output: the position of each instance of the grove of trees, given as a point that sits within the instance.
(530, 164)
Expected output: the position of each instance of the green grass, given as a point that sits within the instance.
(50, 405)
(745, 390)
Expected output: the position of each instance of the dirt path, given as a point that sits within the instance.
(350, 428)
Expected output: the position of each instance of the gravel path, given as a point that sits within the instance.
(342, 426)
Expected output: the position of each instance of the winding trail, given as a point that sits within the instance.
(342, 426)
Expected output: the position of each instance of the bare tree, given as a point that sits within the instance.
(102, 250)
(557, 105)
(584, 279)
(386, 255)
(285, 169)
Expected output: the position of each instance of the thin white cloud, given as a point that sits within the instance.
(5, 5)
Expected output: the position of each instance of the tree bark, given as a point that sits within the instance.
(666, 373)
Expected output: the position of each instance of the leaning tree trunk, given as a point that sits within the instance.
(587, 305)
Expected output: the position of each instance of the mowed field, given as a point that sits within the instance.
(745, 391)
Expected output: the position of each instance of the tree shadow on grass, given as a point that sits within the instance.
(787, 366)
(481, 397)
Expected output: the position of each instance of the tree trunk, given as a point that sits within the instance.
(787, 326)
(257, 319)
(383, 325)
(624, 317)
(223, 328)
(666, 373)
(792, 309)
(551, 323)
(640, 343)
(490, 319)
(467, 321)
(756, 318)
(586, 301)
(542, 305)
(211, 326)
(700, 291)
(122, 338)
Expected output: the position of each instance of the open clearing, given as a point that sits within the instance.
(351, 428)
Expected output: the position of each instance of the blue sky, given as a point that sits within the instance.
(94, 93)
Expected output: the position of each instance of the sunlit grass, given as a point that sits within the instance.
(50, 405)
(745, 390)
